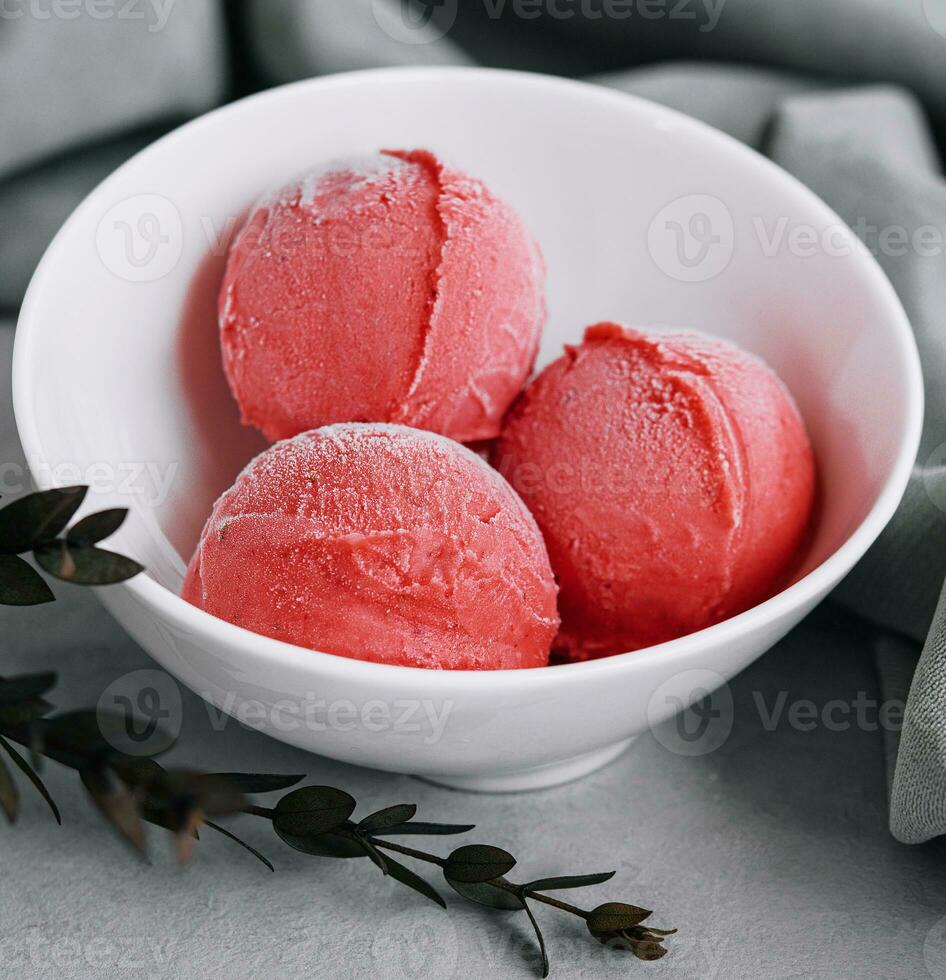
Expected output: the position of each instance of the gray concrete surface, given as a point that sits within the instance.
(770, 854)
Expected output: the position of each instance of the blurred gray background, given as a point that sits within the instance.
(772, 853)
(84, 83)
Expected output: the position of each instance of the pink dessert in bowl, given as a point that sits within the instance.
(394, 289)
(100, 392)
(672, 477)
(381, 543)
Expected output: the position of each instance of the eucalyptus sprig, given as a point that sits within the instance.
(318, 820)
(130, 790)
(37, 523)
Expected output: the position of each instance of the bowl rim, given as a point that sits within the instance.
(209, 631)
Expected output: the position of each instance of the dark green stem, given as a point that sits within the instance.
(260, 811)
(20, 735)
(555, 903)
(505, 886)
(409, 852)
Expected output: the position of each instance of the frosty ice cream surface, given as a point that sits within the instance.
(657, 482)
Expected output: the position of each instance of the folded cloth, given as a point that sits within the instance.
(868, 153)
(74, 72)
(739, 100)
(299, 38)
(35, 203)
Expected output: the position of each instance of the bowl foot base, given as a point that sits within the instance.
(539, 777)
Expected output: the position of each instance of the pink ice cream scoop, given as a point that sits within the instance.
(394, 291)
(379, 542)
(672, 478)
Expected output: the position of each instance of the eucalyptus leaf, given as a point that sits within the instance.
(180, 799)
(37, 518)
(24, 712)
(129, 787)
(242, 843)
(323, 845)
(31, 775)
(648, 951)
(478, 862)
(169, 817)
(25, 688)
(96, 527)
(101, 734)
(419, 828)
(186, 836)
(21, 584)
(137, 772)
(615, 916)
(212, 794)
(485, 894)
(312, 810)
(249, 782)
(541, 939)
(117, 804)
(85, 566)
(376, 856)
(388, 817)
(567, 881)
(9, 795)
(407, 877)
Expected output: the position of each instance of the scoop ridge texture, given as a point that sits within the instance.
(672, 478)
(383, 543)
(394, 290)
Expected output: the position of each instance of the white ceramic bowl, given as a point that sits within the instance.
(644, 216)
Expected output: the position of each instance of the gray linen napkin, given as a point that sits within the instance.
(868, 154)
